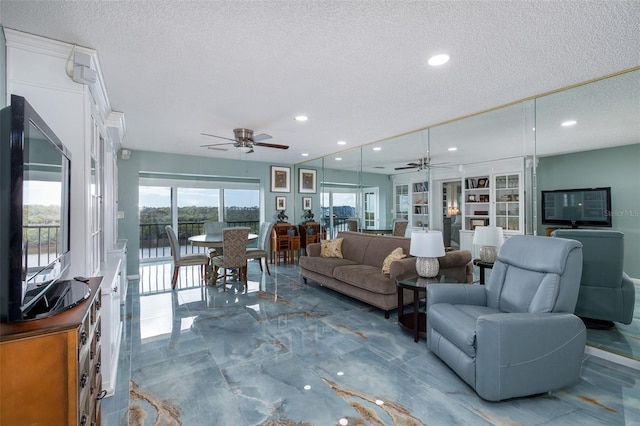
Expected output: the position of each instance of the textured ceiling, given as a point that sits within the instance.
(356, 68)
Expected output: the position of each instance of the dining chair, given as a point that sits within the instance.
(184, 260)
(234, 247)
(280, 243)
(214, 228)
(352, 224)
(400, 227)
(262, 251)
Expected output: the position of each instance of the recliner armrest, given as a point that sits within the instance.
(515, 348)
(456, 294)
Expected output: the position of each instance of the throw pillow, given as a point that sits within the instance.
(396, 254)
(331, 248)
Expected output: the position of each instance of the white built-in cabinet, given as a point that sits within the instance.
(412, 200)
(419, 204)
(401, 201)
(492, 199)
(81, 116)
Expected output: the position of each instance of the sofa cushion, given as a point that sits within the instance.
(458, 323)
(396, 254)
(366, 277)
(323, 265)
(331, 248)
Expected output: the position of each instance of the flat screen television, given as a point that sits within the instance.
(35, 179)
(589, 207)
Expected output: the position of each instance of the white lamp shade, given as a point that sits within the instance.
(427, 244)
(488, 236)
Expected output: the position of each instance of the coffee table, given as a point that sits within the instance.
(416, 321)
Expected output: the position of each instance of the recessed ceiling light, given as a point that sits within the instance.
(301, 118)
(569, 123)
(377, 148)
(342, 143)
(338, 158)
(453, 148)
(438, 60)
(305, 154)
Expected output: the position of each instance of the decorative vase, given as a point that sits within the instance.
(427, 267)
(489, 254)
(309, 230)
(291, 231)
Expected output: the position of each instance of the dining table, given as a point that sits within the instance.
(214, 241)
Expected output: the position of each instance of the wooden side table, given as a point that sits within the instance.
(416, 321)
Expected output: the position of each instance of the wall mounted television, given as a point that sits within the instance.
(35, 180)
(588, 207)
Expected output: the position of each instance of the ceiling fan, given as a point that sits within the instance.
(421, 164)
(244, 141)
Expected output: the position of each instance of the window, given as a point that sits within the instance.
(186, 204)
(96, 190)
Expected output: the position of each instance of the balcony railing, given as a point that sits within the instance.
(154, 242)
(42, 243)
(339, 224)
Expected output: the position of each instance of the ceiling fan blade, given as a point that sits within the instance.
(261, 137)
(405, 168)
(217, 149)
(271, 145)
(216, 136)
(215, 144)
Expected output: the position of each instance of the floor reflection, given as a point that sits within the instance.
(623, 339)
(276, 351)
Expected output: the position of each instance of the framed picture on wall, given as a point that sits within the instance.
(280, 179)
(306, 203)
(281, 203)
(306, 181)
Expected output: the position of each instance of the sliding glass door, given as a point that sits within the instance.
(186, 205)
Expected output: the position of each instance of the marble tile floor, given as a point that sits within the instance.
(281, 352)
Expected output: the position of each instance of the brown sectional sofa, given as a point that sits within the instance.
(359, 273)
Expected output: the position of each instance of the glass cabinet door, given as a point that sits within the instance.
(401, 201)
(507, 201)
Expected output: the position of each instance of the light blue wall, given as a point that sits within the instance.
(155, 162)
(618, 168)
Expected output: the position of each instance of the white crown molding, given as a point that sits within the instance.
(61, 50)
(116, 126)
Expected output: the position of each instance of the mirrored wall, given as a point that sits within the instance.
(491, 168)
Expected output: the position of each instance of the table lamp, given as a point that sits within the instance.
(427, 246)
(490, 238)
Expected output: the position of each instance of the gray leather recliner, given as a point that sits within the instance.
(516, 335)
(606, 293)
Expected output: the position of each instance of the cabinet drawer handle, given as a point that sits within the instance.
(101, 395)
(98, 333)
(83, 337)
(83, 422)
(83, 380)
(98, 365)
